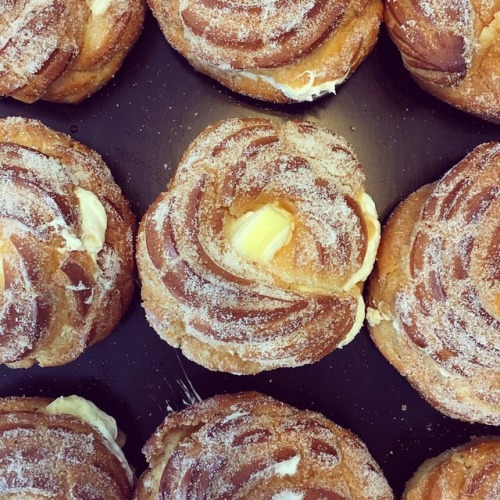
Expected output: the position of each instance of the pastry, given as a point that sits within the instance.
(62, 448)
(280, 51)
(434, 301)
(66, 246)
(249, 445)
(255, 256)
(469, 471)
(64, 51)
(452, 50)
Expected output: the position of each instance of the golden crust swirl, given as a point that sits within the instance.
(282, 51)
(452, 49)
(64, 51)
(66, 246)
(249, 445)
(55, 456)
(435, 297)
(468, 471)
(233, 314)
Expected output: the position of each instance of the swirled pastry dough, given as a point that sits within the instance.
(64, 51)
(452, 49)
(230, 310)
(279, 50)
(47, 454)
(435, 293)
(468, 471)
(249, 445)
(66, 246)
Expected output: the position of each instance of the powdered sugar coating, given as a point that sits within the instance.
(54, 292)
(249, 445)
(442, 300)
(268, 315)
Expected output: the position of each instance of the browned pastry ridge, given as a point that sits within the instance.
(55, 455)
(468, 471)
(244, 313)
(66, 246)
(452, 49)
(249, 445)
(280, 51)
(64, 50)
(434, 301)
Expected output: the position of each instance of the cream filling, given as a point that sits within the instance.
(490, 33)
(98, 7)
(94, 223)
(287, 467)
(358, 323)
(288, 495)
(369, 213)
(88, 412)
(306, 92)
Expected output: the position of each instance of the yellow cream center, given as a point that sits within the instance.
(259, 235)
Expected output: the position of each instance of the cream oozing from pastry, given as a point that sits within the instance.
(258, 235)
(94, 223)
(307, 92)
(358, 323)
(98, 7)
(89, 413)
(288, 495)
(370, 217)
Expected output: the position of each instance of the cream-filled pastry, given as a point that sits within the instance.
(434, 301)
(255, 256)
(63, 448)
(280, 51)
(249, 445)
(66, 246)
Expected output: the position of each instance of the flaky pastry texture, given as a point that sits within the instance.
(249, 445)
(434, 301)
(47, 456)
(282, 51)
(452, 49)
(229, 312)
(66, 246)
(64, 50)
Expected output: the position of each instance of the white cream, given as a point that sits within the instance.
(94, 223)
(287, 467)
(88, 412)
(358, 323)
(288, 495)
(98, 7)
(375, 317)
(307, 92)
(369, 213)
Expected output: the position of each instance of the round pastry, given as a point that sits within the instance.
(64, 50)
(249, 445)
(280, 51)
(63, 448)
(434, 301)
(66, 246)
(452, 50)
(256, 255)
(469, 471)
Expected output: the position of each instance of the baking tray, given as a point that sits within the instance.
(141, 123)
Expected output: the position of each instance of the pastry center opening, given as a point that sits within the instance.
(259, 235)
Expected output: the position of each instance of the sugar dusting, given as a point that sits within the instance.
(317, 175)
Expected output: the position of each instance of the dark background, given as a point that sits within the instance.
(141, 123)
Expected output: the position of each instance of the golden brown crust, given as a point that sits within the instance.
(468, 471)
(69, 298)
(301, 50)
(451, 49)
(74, 46)
(433, 297)
(249, 445)
(233, 314)
(55, 456)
